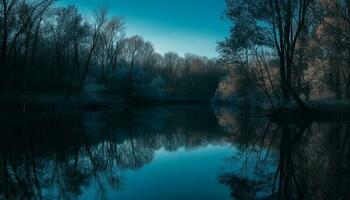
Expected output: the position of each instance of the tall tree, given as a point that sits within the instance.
(134, 49)
(110, 45)
(100, 20)
(171, 61)
(274, 23)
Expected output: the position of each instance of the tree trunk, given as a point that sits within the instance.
(130, 81)
(285, 93)
(87, 63)
(295, 96)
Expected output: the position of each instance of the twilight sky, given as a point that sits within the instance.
(171, 25)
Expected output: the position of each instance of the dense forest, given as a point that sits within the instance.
(277, 52)
(53, 50)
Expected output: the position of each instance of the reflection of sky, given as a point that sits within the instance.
(171, 25)
(182, 174)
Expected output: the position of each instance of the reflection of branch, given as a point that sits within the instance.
(300, 133)
(285, 171)
(274, 181)
(6, 177)
(284, 181)
(270, 146)
(18, 179)
(295, 180)
(262, 142)
(36, 179)
(93, 162)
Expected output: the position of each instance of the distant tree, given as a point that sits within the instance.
(99, 22)
(110, 45)
(172, 63)
(78, 31)
(134, 48)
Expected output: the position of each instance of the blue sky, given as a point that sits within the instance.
(171, 25)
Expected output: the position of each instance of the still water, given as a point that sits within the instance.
(173, 152)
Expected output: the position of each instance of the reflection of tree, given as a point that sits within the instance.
(283, 182)
(285, 177)
(242, 188)
(312, 161)
(58, 156)
(47, 155)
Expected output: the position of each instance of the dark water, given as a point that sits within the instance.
(177, 152)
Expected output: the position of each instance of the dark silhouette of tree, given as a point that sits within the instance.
(100, 20)
(134, 47)
(272, 24)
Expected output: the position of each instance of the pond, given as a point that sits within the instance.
(172, 152)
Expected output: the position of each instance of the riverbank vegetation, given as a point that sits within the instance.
(289, 52)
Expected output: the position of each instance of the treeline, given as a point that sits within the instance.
(47, 49)
(287, 51)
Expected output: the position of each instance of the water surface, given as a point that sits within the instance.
(171, 152)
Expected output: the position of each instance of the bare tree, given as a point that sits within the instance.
(18, 20)
(97, 27)
(172, 63)
(110, 45)
(133, 51)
